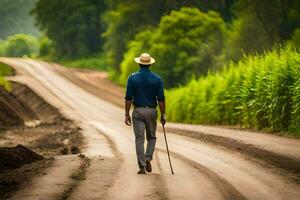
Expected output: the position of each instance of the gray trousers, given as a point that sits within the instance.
(144, 119)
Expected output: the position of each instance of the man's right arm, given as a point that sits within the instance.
(128, 101)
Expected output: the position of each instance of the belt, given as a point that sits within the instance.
(138, 106)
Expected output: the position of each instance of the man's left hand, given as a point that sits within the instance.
(128, 120)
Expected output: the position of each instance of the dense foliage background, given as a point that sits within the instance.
(233, 57)
(187, 42)
(73, 26)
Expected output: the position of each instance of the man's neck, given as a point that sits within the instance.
(144, 69)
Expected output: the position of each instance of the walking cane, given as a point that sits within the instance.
(167, 149)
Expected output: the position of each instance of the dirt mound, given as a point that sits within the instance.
(15, 157)
(22, 106)
(12, 180)
(12, 111)
(41, 109)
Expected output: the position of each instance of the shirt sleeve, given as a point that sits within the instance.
(160, 94)
(129, 89)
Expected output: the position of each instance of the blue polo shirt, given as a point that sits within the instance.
(144, 88)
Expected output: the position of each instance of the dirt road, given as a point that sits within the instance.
(209, 163)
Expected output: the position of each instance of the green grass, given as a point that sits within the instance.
(5, 70)
(260, 92)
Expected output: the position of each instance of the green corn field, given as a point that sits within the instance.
(260, 92)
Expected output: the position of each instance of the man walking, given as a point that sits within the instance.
(145, 90)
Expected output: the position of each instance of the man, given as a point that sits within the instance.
(145, 90)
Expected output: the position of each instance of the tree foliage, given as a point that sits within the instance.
(45, 47)
(73, 26)
(259, 25)
(21, 45)
(251, 26)
(124, 19)
(186, 43)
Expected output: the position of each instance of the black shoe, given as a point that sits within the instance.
(148, 166)
(141, 171)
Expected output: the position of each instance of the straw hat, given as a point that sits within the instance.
(144, 59)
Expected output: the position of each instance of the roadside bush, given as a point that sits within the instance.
(261, 92)
(21, 45)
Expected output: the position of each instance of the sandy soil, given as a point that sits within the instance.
(203, 169)
(14, 180)
(34, 123)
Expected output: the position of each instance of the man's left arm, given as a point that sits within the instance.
(161, 102)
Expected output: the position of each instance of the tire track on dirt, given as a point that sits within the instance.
(282, 162)
(251, 179)
(154, 185)
(96, 175)
(226, 189)
(77, 176)
(57, 177)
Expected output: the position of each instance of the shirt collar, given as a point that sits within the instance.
(144, 69)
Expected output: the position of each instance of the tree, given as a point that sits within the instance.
(124, 19)
(245, 36)
(72, 25)
(186, 43)
(21, 45)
